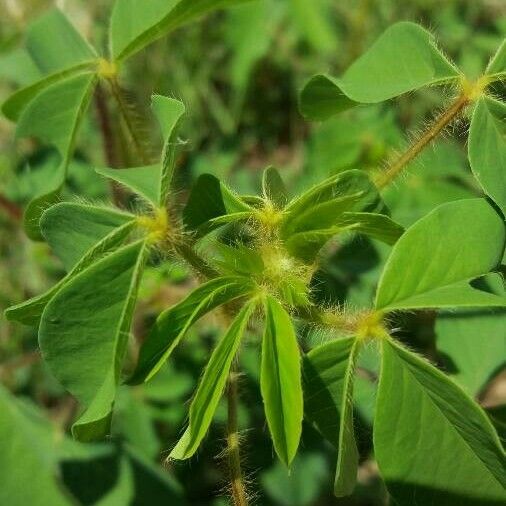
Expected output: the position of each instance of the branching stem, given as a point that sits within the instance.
(441, 122)
(239, 494)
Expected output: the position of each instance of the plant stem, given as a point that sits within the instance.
(111, 154)
(10, 208)
(441, 122)
(104, 120)
(129, 122)
(190, 256)
(239, 495)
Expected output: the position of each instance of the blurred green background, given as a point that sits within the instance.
(238, 72)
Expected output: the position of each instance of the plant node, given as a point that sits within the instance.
(473, 90)
(371, 326)
(157, 225)
(106, 69)
(269, 218)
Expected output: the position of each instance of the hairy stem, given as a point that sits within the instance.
(104, 120)
(111, 154)
(129, 122)
(187, 252)
(11, 209)
(239, 495)
(440, 123)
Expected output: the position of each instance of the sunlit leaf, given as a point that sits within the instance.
(211, 386)
(280, 381)
(404, 58)
(436, 260)
(487, 148)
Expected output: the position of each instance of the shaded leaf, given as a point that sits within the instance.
(29, 312)
(135, 23)
(54, 44)
(53, 116)
(497, 65)
(306, 245)
(27, 451)
(431, 440)
(473, 343)
(209, 199)
(273, 188)
(84, 332)
(172, 324)
(72, 229)
(328, 386)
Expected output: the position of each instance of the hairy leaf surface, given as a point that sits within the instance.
(211, 386)
(172, 324)
(404, 58)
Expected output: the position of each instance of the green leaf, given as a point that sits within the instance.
(211, 386)
(487, 148)
(169, 113)
(29, 312)
(27, 449)
(84, 331)
(55, 45)
(323, 205)
(17, 102)
(53, 116)
(431, 440)
(209, 199)
(280, 381)
(135, 23)
(72, 229)
(403, 59)
(274, 188)
(497, 65)
(306, 245)
(59, 52)
(143, 181)
(434, 262)
(328, 386)
(460, 335)
(153, 182)
(172, 324)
